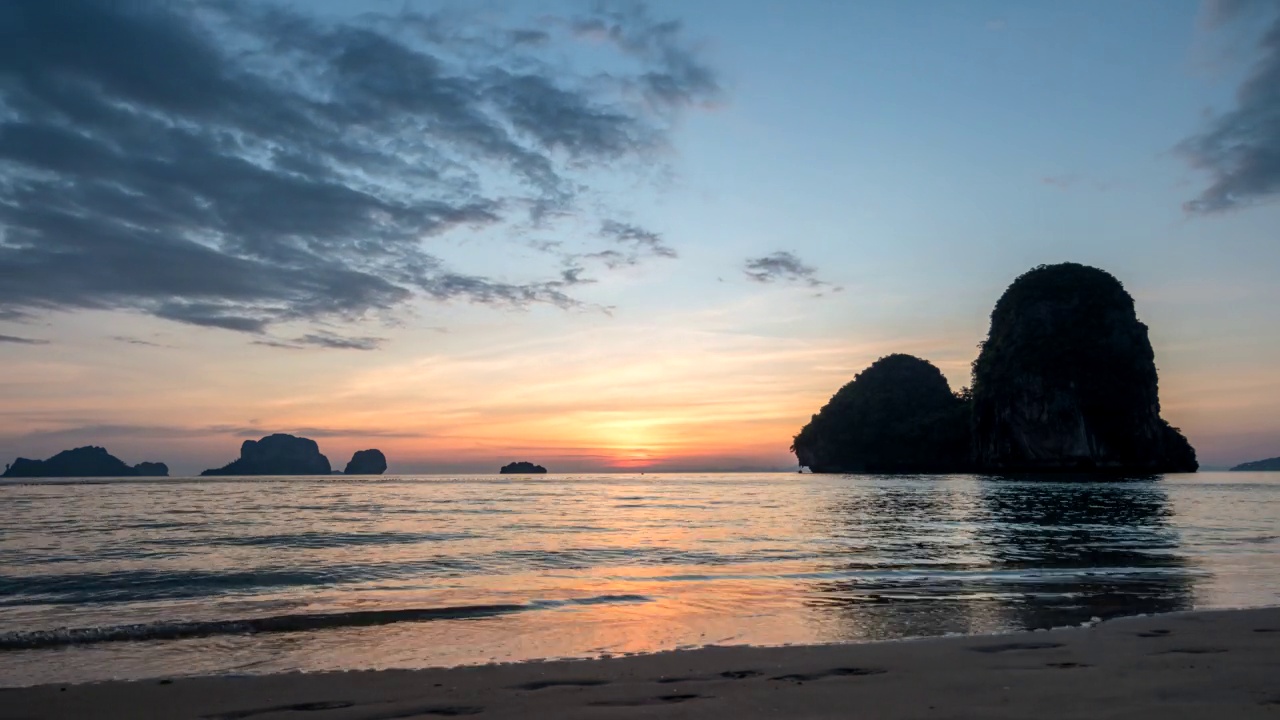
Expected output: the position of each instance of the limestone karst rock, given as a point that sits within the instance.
(1066, 381)
(87, 461)
(277, 454)
(366, 462)
(897, 416)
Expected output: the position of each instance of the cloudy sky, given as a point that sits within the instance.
(607, 236)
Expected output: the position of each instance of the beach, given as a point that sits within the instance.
(1222, 664)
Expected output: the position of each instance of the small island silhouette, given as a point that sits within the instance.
(1268, 465)
(522, 468)
(1065, 382)
(366, 462)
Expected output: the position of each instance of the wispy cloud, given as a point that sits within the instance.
(21, 340)
(125, 430)
(783, 267)
(638, 241)
(1240, 150)
(137, 341)
(338, 342)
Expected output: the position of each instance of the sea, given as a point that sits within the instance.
(145, 578)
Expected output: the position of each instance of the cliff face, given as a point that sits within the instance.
(277, 454)
(366, 462)
(1066, 381)
(88, 461)
(897, 416)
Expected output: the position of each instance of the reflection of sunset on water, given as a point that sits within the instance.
(585, 565)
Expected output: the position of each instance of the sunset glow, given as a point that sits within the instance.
(646, 276)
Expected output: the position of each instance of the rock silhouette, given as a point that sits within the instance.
(897, 416)
(1066, 382)
(1270, 464)
(521, 468)
(88, 461)
(366, 462)
(278, 454)
(151, 469)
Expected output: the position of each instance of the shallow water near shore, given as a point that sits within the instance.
(134, 579)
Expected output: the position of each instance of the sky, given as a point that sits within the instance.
(610, 236)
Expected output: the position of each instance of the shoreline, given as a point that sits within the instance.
(1190, 664)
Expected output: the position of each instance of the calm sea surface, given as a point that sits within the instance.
(133, 579)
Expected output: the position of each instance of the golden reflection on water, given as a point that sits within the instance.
(622, 564)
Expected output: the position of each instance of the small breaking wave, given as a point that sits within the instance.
(182, 630)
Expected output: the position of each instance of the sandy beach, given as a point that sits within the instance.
(1221, 664)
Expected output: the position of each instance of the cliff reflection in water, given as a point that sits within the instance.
(981, 554)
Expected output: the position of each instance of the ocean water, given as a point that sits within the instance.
(146, 578)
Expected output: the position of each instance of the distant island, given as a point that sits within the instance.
(88, 461)
(366, 462)
(278, 454)
(1065, 382)
(283, 454)
(1268, 465)
(522, 468)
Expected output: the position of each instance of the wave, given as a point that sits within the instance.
(182, 630)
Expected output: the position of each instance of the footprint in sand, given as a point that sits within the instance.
(727, 674)
(1154, 633)
(543, 684)
(438, 711)
(834, 672)
(660, 700)
(1193, 651)
(297, 707)
(1010, 647)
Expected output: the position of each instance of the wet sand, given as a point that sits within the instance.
(1216, 665)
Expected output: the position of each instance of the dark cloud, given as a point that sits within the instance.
(257, 431)
(1240, 150)
(638, 244)
(280, 344)
(676, 77)
(783, 266)
(137, 341)
(338, 342)
(613, 259)
(529, 37)
(640, 241)
(235, 165)
(22, 340)
(89, 432)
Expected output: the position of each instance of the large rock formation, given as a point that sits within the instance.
(277, 454)
(897, 416)
(366, 462)
(1066, 381)
(522, 468)
(1268, 465)
(88, 461)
